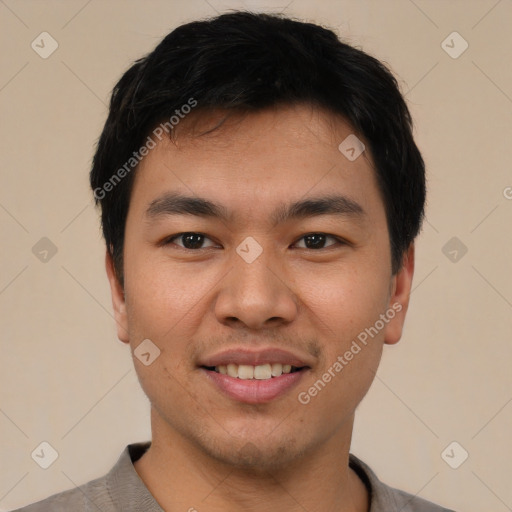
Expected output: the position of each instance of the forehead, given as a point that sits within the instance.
(257, 160)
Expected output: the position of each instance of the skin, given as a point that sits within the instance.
(210, 452)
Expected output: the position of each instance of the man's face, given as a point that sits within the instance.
(204, 300)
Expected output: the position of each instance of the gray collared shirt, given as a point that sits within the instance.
(122, 490)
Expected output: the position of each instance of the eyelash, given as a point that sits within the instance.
(169, 240)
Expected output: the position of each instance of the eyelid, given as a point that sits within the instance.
(340, 241)
(170, 240)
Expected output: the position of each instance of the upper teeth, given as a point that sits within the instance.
(260, 372)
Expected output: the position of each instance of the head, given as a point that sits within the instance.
(215, 133)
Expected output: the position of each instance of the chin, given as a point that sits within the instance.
(258, 455)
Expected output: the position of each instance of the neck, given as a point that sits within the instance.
(181, 477)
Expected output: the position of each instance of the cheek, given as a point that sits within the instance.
(344, 300)
(161, 297)
(345, 304)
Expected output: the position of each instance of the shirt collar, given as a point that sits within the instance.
(124, 484)
(129, 492)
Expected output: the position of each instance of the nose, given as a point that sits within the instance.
(256, 295)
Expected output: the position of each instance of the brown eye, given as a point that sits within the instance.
(317, 240)
(189, 240)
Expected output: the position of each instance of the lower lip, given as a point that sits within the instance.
(254, 391)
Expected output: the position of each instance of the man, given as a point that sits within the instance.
(260, 193)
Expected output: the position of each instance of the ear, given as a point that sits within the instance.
(118, 300)
(399, 298)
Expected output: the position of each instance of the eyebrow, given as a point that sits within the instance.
(326, 205)
(179, 204)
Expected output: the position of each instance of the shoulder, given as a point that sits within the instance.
(87, 497)
(385, 498)
(120, 489)
(406, 502)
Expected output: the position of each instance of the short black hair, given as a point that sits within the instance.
(244, 62)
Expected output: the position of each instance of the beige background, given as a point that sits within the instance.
(68, 381)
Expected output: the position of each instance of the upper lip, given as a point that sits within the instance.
(255, 357)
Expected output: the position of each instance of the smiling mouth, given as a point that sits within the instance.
(259, 372)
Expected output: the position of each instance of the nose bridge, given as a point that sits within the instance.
(255, 291)
(255, 274)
